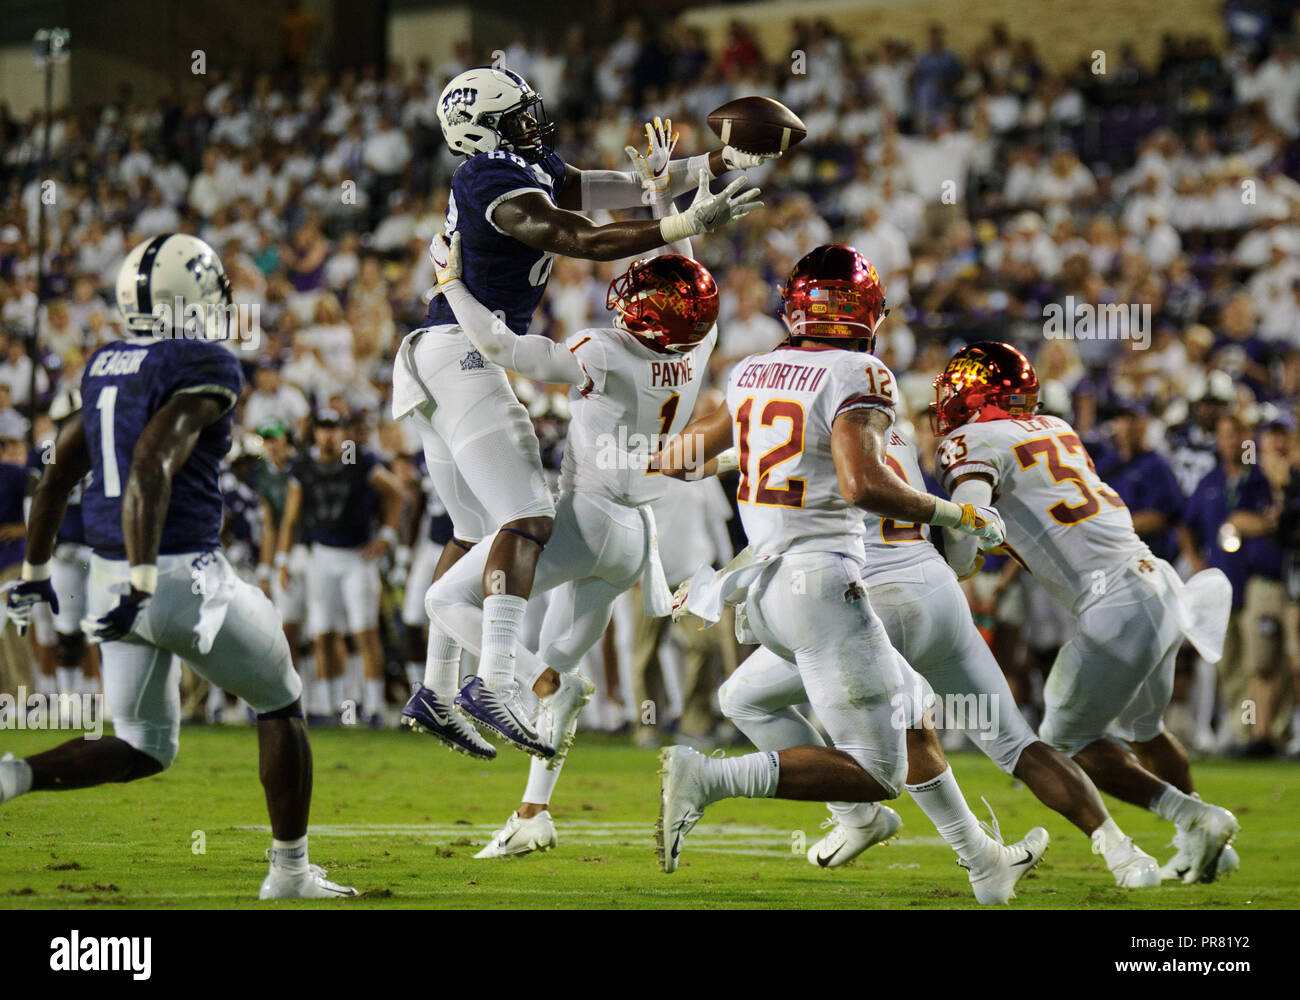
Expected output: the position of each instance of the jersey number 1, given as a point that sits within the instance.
(112, 479)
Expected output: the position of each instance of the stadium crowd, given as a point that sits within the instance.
(1153, 209)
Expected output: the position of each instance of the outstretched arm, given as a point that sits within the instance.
(533, 220)
(533, 355)
(588, 190)
(591, 190)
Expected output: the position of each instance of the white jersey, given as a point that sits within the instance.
(1064, 524)
(898, 545)
(783, 404)
(635, 399)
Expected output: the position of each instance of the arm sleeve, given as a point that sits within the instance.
(613, 189)
(537, 357)
(684, 175)
(960, 548)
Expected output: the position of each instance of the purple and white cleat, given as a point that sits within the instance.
(425, 712)
(501, 711)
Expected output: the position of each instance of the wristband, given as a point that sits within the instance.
(281, 559)
(673, 228)
(263, 572)
(144, 577)
(728, 461)
(389, 535)
(946, 513)
(38, 571)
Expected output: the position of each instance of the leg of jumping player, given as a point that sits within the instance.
(1077, 726)
(507, 582)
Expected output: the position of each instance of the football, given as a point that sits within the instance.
(757, 125)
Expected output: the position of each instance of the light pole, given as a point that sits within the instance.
(50, 46)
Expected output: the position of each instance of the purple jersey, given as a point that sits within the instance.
(338, 502)
(125, 384)
(506, 276)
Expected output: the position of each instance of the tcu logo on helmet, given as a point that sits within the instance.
(205, 272)
(458, 101)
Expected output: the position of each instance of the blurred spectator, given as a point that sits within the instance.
(1231, 524)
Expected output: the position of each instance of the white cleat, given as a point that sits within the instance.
(521, 836)
(1176, 867)
(10, 781)
(309, 884)
(1205, 848)
(681, 801)
(998, 883)
(844, 842)
(559, 722)
(1132, 867)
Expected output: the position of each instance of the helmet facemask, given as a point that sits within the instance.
(670, 302)
(525, 129)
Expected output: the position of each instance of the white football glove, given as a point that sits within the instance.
(682, 614)
(738, 159)
(446, 257)
(984, 523)
(652, 167)
(713, 211)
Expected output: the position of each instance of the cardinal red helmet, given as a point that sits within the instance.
(835, 293)
(669, 301)
(985, 381)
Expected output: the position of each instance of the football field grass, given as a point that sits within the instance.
(401, 818)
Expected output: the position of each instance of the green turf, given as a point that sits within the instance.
(401, 818)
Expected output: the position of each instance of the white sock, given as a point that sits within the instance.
(941, 800)
(90, 684)
(354, 674)
(334, 693)
(374, 700)
(216, 698)
(1181, 810)
(46, 683)
(854, 813)
(541, 782)
(414, 671)
(317, 695)
(503, 617)
(17, 774)
(750, 776)
(66, 678)
(289, 855)
(442, 665)
(1107, 836)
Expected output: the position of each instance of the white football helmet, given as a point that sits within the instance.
(174, 285)
(484, 109)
